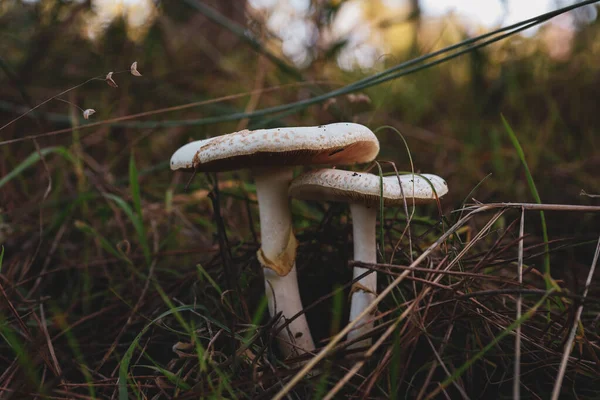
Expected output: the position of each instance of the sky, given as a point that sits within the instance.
(489, 13)
(286, 20)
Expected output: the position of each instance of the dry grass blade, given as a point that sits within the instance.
(435, 362)
(536, 207)
(153, 112)
(462, 369)
(44, 325)
(568, 345)
(517, 373)
(406, 312)
(358, 365)
(593, 196)
(335, 340)
(440, 362)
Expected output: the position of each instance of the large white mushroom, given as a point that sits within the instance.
(271, 154)
(363, 192)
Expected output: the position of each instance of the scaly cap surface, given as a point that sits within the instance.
(364, 188)
(334, 144)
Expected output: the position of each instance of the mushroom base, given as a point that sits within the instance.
(283, 296)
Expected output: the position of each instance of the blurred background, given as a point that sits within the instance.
(543, 80)
(208, 68)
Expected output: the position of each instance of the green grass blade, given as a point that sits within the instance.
(395, 364)
(124, 367)
(536, 196)
(136, 220)
(198, 346)
(104, 243)
(20, 351)
(336, 314)
(204, 274)
(134, 186)
(76, 349)
(401, 136)
(468, 196)
(200, 350)
(256, 318)
(405, 203)
(32, 159)
(174, 379)
(381, 214)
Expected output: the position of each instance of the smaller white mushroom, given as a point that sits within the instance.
(363, 192)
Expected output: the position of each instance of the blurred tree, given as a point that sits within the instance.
(415, 17)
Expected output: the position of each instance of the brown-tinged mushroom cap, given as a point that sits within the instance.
(364, 188)
(335, 144)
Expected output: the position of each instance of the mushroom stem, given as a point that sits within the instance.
(282, 292)
(363, 229)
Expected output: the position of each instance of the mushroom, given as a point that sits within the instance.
(363, 192)
(271, 154)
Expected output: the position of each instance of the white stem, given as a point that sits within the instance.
(282, 292)
(363, 228)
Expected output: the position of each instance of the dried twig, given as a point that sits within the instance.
(533, 206)
(517, 374)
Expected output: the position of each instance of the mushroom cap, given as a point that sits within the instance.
(335, 144)
(364, 188)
